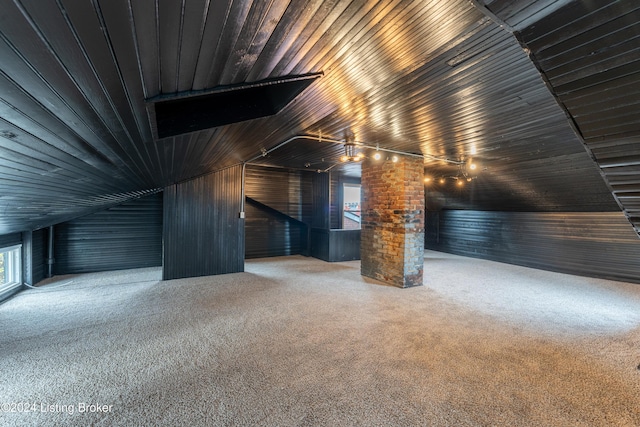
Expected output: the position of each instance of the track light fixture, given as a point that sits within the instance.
(466, 172)
(354, 153)
(351, 153)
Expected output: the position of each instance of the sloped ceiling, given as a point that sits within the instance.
(450, 79)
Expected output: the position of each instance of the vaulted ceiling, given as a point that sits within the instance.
(542, 95)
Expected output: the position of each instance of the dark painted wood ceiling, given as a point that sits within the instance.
(541, 94)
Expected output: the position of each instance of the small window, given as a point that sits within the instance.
(10, 268)
(351, 207)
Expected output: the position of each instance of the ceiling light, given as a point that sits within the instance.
(350, 154)
(471, 165)
(394, 159)
(377, 156)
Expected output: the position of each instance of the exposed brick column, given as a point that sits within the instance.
(392, 240)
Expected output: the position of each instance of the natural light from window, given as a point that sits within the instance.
(351, 209)
(10, 268)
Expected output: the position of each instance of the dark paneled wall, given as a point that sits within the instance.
(269, 232)
(203, 232)
(320, 200)
(288, 192)
(10, 240)
(125, 236)
(600, 244)
(39, 255)
(335, 195)
(335, 245)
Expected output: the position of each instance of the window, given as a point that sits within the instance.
(10, 268)
(351, 206)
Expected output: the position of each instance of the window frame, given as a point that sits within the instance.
(342, 205)
(12, 269)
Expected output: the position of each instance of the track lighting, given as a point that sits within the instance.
(464, 173)
(459, 179)
(351, 154)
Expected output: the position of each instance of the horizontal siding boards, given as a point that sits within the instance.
(125, 236)
(589, 52)
(290, 193)
(10, 240)
(344, 245)
(203, 233)
(286, 191)
(268, 235)
(335, 245)
(599, 244)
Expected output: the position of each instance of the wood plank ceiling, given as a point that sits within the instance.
(510, 84)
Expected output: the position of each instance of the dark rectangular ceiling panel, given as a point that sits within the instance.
(227, 105)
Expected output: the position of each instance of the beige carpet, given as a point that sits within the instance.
(299, 342)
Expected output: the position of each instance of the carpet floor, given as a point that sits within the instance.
(296, 341)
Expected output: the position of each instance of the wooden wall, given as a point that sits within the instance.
(39, 255)
(335, 245)
(203, 231)
(278, 223)
(124, 236)
(10, 240)
(594, 244)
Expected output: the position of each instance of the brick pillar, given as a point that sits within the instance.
(392, 240)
